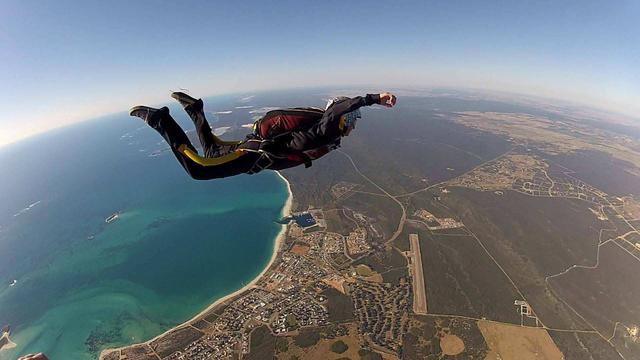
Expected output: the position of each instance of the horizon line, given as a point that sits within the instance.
(488, 91)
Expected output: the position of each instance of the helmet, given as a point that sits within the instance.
(347, 120)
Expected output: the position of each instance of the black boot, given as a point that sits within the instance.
(150, 115)
(186, 100)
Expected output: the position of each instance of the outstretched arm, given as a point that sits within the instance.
(348, 105)
(327, 128)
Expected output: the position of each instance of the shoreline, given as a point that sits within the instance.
(9, 344)
(279, 240)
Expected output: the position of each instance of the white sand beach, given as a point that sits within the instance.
(286, 211)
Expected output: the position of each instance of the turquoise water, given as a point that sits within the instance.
(178, 245)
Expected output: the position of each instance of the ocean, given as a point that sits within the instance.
(177, 245)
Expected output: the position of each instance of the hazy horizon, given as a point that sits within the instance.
(68, 62)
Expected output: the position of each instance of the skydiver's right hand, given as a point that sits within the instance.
(387, 99)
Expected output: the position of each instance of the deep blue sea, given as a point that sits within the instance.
(179, 244)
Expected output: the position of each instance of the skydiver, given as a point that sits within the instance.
(281, 139)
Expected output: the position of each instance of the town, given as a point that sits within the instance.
(291, 296)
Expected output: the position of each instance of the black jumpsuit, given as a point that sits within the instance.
(324, 132)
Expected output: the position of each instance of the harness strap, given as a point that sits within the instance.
(264, 161)
(304, 158)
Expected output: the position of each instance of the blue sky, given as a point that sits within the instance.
(66, 61)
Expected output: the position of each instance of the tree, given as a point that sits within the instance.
(339, 347)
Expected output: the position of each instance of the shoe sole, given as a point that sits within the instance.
(180, 98)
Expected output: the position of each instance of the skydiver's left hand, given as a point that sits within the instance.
(387, 99)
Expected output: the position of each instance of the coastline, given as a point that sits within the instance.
(9, 344)
(279, 240)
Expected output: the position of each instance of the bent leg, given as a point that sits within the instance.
(173, 134)
(164, 124)
(207, 139)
